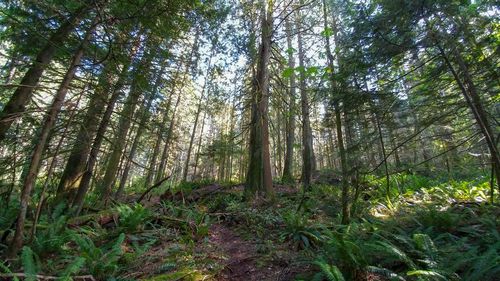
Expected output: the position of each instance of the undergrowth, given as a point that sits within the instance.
(430, 230)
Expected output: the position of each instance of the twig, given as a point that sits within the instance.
(151, 188)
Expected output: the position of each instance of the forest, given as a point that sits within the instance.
(339, 140)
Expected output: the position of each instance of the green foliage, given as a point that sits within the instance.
(328, 271)
(195, 220)
(30, 263)
(133, 218)
(224, 201)
(53, 237)
(187, 186)
(426, 273)
(6, 269)
(298, 232)
(327, 32)
(100, 262)
(288, 72)
(72, 268)
(344, 250)
(440, 220)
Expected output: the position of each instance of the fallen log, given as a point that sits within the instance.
(102, 218)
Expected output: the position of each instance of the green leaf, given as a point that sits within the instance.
(312, 70)
(300, 69)
(287, 72)
(327, 32)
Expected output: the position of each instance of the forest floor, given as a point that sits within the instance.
(228, 251)
(207, 231)
(272, 241)
(240, 256)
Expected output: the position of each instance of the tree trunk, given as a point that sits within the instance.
(189, 63)
(156, 149)
(384, 155)
(197, 117)
(16, 105)
(197, 156)
(259, 178)
(164, 156)
(140, 130)
(338, 126)
(290, 128)
(42, 140)
(124, 125)
(307, 142)
(53, 164)
(81, 148)
(77, 202)
(473, 100)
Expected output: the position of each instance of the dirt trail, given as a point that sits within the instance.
(241, 258)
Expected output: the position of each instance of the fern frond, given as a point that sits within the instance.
(385, 272)
(29, 263)
(426, 273)
(73, 268)
(392, 250)
(330, 272)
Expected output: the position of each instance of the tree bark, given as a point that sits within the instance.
(259, 178)
(124, 124)
(140, 130)
(81, 148)
(197, 117)
(41, 141)
(473, 100)
(307, 142)
(290, 128)
(156, 149)
(164, 156)
(77, 201)
(338, 126)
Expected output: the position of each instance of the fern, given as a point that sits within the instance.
(52, 239)
(385, 272)
(485, 266)
(72, 268)
(29, 263)
(329, 271)
(133, 218)
(6, 269)
(298, 232)
(101, 263)
(427, 273)
(115, 252)
(392, 250)
(425, 244)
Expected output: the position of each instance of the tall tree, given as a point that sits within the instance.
(42, 140)
(290, 125)
(259, 178)
(125, 121)
(307, 138)
(335, 93)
